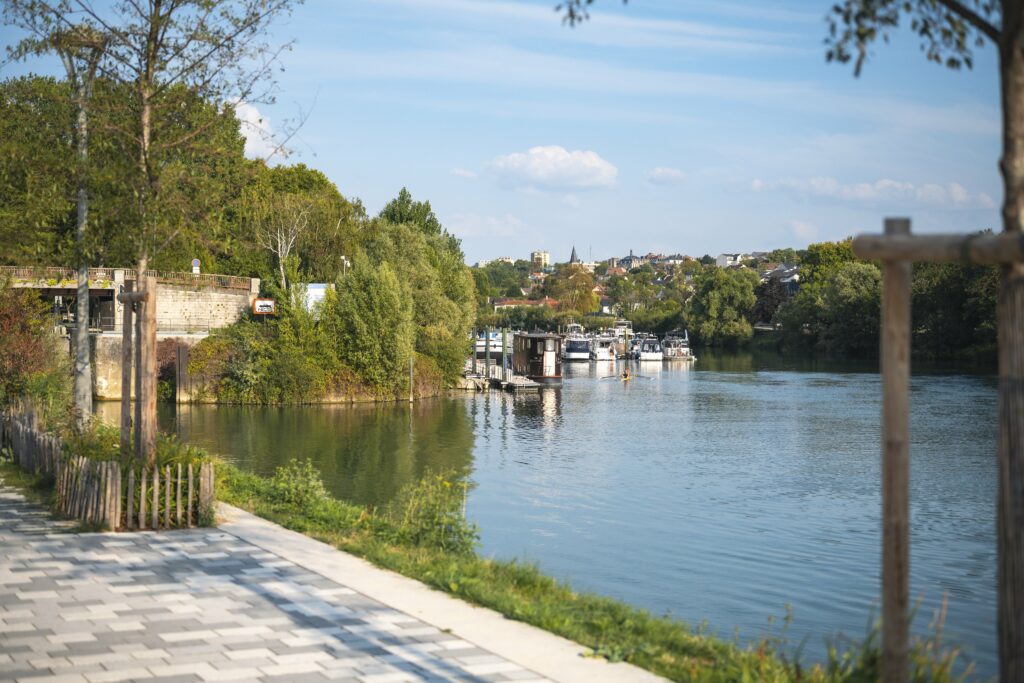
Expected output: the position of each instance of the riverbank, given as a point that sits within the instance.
(609, 628)
(247, 601)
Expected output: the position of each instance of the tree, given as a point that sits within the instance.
(280, 220)
(80, 48)
(822, 258)
(403, 209)
(573, 286)
(771, 294)
(949, 31)
(718, 311)
(370, 318)
(786, 255)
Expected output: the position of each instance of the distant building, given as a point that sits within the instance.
(573, 259)
(500, 259)
(730, 260)
(540, 260)
(502, 303)
(630, 262)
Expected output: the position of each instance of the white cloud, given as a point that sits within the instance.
(663, 175)
(804, 230)
(879, 191)
(986, 201)
(255, 128)
(553, 167)
(463, 173)
(475, 225)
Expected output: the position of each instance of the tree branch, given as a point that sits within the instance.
(972, 18)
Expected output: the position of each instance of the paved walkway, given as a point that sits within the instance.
(248, 601)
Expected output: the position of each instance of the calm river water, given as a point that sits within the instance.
(720, 492)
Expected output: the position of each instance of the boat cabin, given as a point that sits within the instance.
(538, 356)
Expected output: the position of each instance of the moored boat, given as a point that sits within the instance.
(649, 349)
(677, 347)
(602, 348)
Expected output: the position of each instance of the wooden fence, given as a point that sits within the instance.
(98, 492)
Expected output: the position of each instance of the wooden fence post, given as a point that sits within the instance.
(142, 500)
(167, 496)
(205, 492)
(895, 366)
(126, 374)
(155, 512)
(130, 509)
(177, 495)
(188, 510)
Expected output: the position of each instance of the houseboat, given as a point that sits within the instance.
(538, 356)
(676, 347)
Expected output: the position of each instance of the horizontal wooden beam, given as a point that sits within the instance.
(132, 297)
(1006, 247)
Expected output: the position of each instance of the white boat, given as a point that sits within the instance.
(649, 349)
(576, 347)
(603, 348)
(677, 348)
(623, 331)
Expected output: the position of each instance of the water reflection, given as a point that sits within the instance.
(365, 452)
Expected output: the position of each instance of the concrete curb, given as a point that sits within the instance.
(546, 654)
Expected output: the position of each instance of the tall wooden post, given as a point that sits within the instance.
(504, 354)
(487, 353)
(147, 369)
(140, 307)
(126, 372)
(895, 363)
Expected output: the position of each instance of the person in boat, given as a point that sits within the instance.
(625, 374)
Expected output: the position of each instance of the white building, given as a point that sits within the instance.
(730, 260)
(540, 259)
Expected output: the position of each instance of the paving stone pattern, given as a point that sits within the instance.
(200, 605)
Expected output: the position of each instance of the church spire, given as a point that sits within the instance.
(573, 258)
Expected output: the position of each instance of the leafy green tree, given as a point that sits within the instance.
(786, 255)
(852, 308)
(718, 311)
(823, 257)
(573, 286)
(771, 294)
(404, 209)
(954, 308)
(370, 318)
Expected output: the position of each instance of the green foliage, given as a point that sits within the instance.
(954, 308)
(299, 484)
(431, 513)
(948, 31)
(610, 628)
(821, 259)
(403, 209)
(573, 287)
(31, 365)
(718, 313)
(771, 294)
(838, 312)
(370, 319)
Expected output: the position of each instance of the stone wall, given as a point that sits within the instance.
(106, 362)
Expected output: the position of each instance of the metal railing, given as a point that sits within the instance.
(60, 275)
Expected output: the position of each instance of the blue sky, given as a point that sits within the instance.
(701, 126)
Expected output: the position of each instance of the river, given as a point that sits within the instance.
(719, 492)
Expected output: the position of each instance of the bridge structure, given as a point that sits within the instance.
(190, 306)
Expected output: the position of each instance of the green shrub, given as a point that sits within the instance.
(298, 483)
(431, 513)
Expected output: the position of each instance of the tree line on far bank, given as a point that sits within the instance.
(834, 309)
(399, 290)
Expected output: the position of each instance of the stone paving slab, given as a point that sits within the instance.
(248, 601)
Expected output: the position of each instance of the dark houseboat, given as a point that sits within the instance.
(538, 356)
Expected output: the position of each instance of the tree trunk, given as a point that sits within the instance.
(82, 365)
(1010, 315)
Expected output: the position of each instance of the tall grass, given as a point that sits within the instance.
(424, 535)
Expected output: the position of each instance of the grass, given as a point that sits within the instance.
(396, 538)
